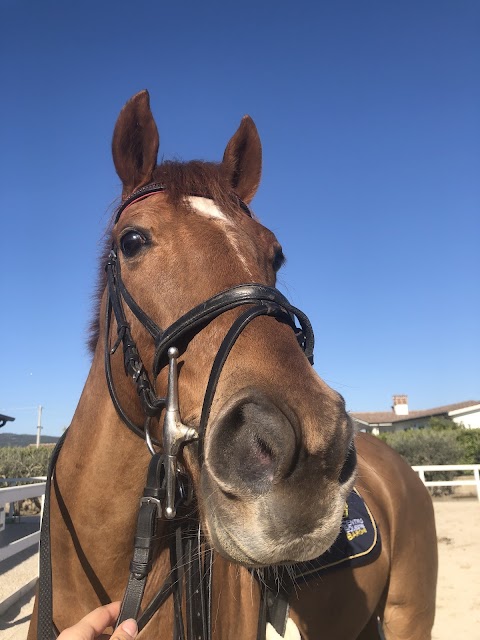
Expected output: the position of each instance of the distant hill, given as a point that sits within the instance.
(24, 440)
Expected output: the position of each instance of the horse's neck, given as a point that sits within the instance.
(102, 462)
(99, 479)
(235, 602)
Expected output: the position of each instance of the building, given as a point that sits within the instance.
(401, 418)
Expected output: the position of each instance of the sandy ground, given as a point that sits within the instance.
(14, 623)
(458, 601)
(458, 593)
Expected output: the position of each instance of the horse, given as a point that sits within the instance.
(248, 441)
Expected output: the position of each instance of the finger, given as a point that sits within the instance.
(126, 631)
(93, 624)
(98, 620)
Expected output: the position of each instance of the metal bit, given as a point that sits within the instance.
(175, 434)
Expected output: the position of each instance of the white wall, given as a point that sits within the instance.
(470, 419)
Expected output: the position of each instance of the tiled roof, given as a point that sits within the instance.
(378, 417)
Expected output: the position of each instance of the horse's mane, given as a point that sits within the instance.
(181, 179)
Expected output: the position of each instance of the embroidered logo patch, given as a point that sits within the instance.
(353, 528)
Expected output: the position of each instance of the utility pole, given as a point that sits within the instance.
(39, 424)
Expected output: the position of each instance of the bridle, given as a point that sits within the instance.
(261, 300)
(168, 487)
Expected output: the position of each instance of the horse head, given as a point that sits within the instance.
(270, 454)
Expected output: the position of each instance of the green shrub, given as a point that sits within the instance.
(24, 462)
(426, 446)
(469, 440)
(443, 424)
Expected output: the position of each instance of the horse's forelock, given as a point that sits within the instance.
(196, 178)
(181, 179)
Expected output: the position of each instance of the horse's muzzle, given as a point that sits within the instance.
(266, 499)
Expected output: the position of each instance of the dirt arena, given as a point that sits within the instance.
(458, 594)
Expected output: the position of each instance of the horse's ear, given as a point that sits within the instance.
(243, 160)
(135, 143)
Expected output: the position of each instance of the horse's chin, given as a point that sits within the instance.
(252, 533)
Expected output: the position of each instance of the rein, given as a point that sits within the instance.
(168, 489)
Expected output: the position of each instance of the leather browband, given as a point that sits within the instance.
(154, 187)
(158, 187)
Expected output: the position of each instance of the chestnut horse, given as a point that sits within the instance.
(268, 446)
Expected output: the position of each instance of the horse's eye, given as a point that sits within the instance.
(131, 243)
(278, 260)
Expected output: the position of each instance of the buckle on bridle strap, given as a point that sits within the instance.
(152, 500)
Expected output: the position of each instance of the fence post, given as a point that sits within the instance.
(476, 473)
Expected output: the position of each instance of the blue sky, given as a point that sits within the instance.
(369, 117)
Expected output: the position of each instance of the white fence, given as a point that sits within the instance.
(475, 468)
(9, 495)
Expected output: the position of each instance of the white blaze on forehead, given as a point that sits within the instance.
(208, 208)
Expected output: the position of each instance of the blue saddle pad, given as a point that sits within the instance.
(357, 544)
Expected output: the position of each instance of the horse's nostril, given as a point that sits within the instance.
(264, 453)
(251, 446)
(349, 465)
(259, 466)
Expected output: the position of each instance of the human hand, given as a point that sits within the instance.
(94, 624)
